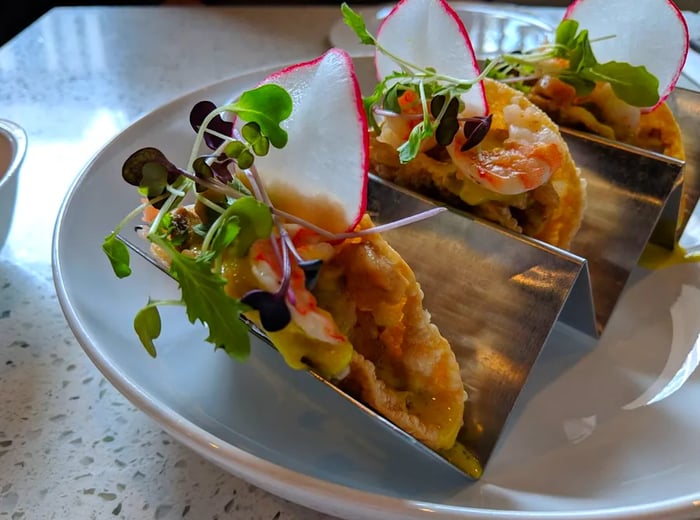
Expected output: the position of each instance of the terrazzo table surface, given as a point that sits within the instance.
(70, 445)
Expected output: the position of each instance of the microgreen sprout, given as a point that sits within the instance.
(634, 85)
(412, 89)
(234, 211)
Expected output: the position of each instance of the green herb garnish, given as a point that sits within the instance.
(234, 224)
(438, 94)
(634, 85)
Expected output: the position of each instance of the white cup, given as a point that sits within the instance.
(13, 146)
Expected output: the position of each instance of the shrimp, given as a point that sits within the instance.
(314, 321)
(524, 161)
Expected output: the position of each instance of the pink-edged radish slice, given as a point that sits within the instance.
(652, 33)
(428, 33)
(321, 174)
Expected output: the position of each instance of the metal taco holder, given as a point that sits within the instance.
(497, 295)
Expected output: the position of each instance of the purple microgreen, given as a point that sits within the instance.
(475, 130)
(273, 309)
(446, 113)
(150, 171)
(274, 313)
(221, 169)
(312, 269)
(197, 115)
(203, 171)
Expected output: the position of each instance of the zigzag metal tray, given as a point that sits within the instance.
(497, 295)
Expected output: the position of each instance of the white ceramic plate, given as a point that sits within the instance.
(603, 429)
(492, 30)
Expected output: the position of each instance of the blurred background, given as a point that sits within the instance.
(15, 18)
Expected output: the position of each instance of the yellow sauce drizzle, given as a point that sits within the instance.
(465, 460)
(657, 257)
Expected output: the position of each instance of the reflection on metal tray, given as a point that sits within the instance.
(685, 105)
(632, 197)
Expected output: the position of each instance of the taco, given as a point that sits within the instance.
(362, 325)
(602, 113)
(609, 71)
(520, 176)
(327, 290)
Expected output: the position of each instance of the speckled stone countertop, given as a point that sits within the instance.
(70, 445)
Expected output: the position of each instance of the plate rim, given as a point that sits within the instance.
(305, 490)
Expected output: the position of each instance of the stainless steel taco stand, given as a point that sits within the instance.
(497, 296)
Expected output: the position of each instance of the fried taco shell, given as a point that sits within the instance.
(380, 345)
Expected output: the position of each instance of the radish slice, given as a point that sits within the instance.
(321, 174)
(652, 33)
(428, 33)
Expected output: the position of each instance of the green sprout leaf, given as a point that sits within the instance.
(154, 179)
(391, 98)
(225, 235)
(267, 105)
(205, 299)
(566, 33)
(118, 255)
(255, 220)
(410, 149)
(633, 85)
(147, 325)
(370, 101)
(582, 85)
(355, 21)
(581, 55)
(260, 143)
(245, 159)
(234, 149)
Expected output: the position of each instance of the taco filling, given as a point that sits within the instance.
(602, 113)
